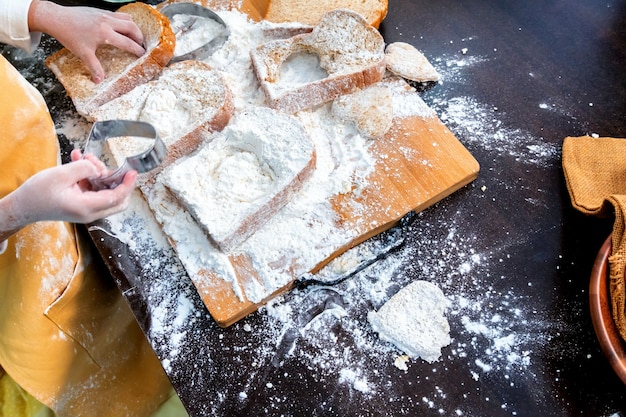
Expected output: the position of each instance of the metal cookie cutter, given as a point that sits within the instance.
(142, 162)
(196, 12)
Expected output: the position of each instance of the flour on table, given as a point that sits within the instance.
(494, 330)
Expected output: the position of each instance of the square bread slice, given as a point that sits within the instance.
(123, 70)
(185, 103)
(414, 321)
(342, 54)
(237, 182)
(308, 12)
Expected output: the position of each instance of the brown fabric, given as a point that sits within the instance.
(595, 173)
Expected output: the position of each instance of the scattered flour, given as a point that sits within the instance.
(502, 341)
(493, 332)
(479, 123)
(305, 231)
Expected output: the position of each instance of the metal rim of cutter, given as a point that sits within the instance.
(142, 162)
(194, 9)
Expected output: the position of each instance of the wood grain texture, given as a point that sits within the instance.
(417, 163)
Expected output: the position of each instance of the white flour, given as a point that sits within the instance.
(302, 233)
(162, 101)
(493, 331)
(235, 183)
(193, 32)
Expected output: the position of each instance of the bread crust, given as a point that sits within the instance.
(124, 71)
(271, 136)
(214, 97)
(351, 60)
(253, 223)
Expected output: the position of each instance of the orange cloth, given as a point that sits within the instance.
(66, 334)
(595, 173)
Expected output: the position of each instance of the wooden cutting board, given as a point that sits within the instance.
(418, 163)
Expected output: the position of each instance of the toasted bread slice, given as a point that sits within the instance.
(123, 70)
(350, 53)
(310, 13)
(302, 11)
(185, 103)
(241, 178)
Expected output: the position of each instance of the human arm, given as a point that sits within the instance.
(63, 193)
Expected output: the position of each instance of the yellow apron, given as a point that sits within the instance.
(66, 334)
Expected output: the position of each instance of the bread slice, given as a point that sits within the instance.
(405, 60)
(414, 321)
(307, 12)
(185, 103)
(302, 11)
(123, 70)
(342, 54)
(241, 178)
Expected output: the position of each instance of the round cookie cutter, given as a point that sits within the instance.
(195, 11)
(142, 162)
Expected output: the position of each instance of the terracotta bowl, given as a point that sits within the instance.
(612, 344)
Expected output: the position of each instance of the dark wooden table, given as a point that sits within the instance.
(509, 251)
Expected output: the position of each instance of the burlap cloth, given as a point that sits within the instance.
(595, 173)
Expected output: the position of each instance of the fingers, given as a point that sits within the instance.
(79, 170)
(129, 179)
(128, 28)
(110, 201)
(56, 194)
(119, 31)
(93, 64)
(76, 154)
(123, 41)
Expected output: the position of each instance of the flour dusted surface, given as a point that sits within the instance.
(192, 32)
(235, 183)
(305, 229)
(500, 332)
(161, 102)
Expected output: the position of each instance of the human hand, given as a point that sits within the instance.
(83, 29)
(64, 193)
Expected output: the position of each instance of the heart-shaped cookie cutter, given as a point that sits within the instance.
(195, 11)
(142, 162)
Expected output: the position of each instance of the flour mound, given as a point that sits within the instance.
(413, 320)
